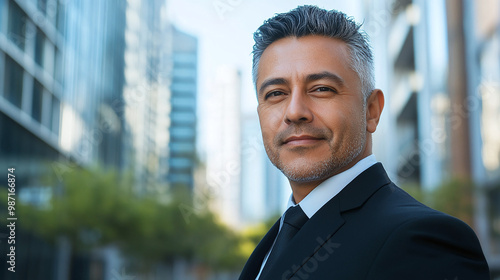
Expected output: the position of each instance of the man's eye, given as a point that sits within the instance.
(324, 89)
(273, 93)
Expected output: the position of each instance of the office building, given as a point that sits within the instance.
(253, 204)
(441, 99)
(183, 101)
(61, 68)
(147, 94)
(224, 144)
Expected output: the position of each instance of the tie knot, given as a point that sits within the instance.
(295, 217)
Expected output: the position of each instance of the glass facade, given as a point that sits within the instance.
(36, 102)
(25, 152)
(2, 15)
(444, 127)
(17, 25)
(13, 82)
(55, 115)
(52, 66)
(39, 47)
(182, 145)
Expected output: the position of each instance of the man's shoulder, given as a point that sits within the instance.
(373, 195)
(372, 201)
(428, 234)
(390, 210)
(392, 203)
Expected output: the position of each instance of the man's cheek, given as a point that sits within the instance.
(275, 116)
(267, 139)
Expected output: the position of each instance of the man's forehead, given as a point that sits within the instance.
(303, 56)
(318, 41)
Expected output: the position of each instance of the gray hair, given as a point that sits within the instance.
(311, 20)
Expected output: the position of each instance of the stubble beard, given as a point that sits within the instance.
(310, 172)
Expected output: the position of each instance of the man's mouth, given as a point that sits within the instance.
(301, 140)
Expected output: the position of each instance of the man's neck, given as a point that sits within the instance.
(301, 189)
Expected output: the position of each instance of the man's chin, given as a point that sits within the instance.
(305, 174)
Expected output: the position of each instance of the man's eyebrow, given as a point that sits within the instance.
(272, 82)
(309, 78)
(325, 75)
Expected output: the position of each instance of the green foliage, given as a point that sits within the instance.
(92, 207)
(416, 192)
(252, 236)
(454, 197)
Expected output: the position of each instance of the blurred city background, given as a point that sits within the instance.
(133, 131)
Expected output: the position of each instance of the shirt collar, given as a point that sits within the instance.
(329, 188)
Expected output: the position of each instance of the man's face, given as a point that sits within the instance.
(311, 108)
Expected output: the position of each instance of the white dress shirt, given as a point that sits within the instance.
(325, 191)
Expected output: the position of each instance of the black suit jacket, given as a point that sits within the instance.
(374, 230)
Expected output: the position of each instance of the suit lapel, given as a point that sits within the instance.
(317, 232)
(252, 267)
(308, 240)
(359, 190)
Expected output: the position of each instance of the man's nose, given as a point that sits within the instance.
(298, 108)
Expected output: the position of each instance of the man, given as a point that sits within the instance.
(318, 106)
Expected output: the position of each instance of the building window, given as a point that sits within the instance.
(17, 25)
(48, 57)
(2, 15)
(39, 47)
(36, 105)
(44, 52)
(42, 6)
(56, 109)
(13, 82)
(60, 17)
(58, 65)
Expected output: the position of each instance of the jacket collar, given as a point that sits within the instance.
(363, 187)
(321, 227)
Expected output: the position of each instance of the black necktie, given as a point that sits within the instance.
(295, 218)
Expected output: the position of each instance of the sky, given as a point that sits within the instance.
(225, 32)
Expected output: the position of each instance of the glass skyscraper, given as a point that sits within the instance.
(61, 71)
(182, 144)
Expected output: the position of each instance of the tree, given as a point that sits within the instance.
(95, 207)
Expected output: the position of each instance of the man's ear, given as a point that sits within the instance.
(374, 107)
